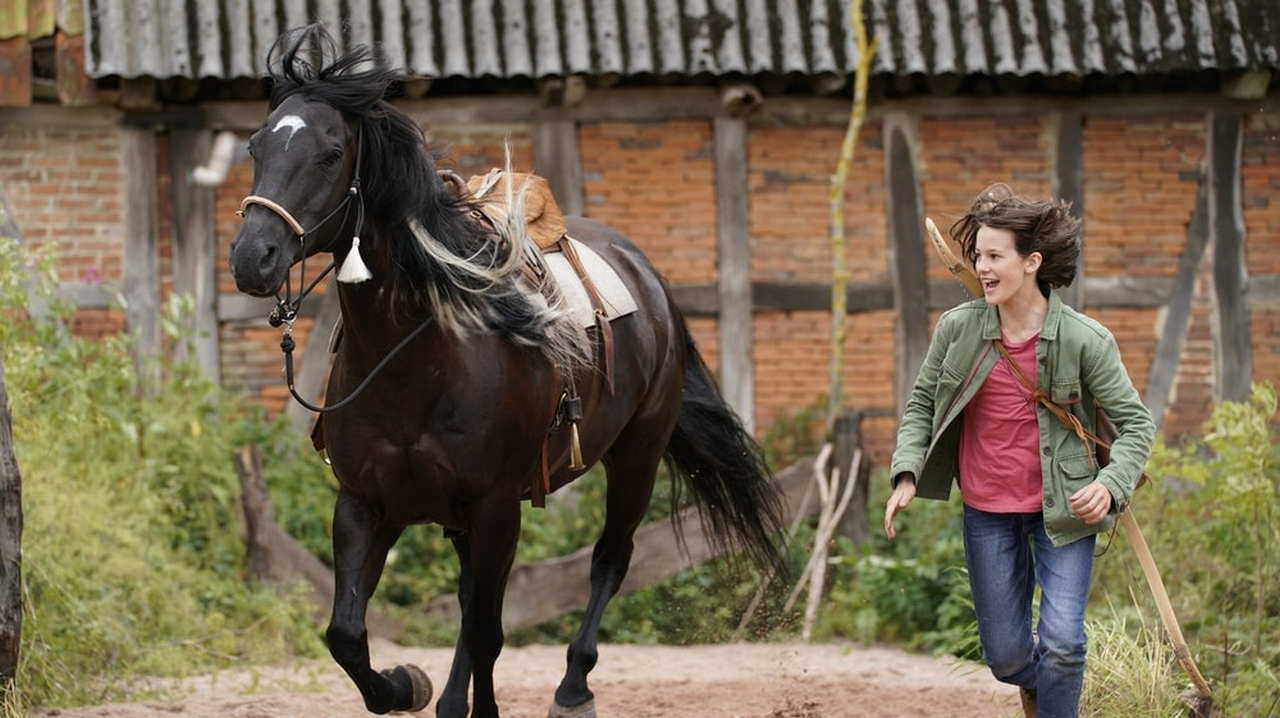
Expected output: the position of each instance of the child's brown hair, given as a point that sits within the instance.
(1044, 226)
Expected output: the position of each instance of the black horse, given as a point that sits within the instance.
(466, 372)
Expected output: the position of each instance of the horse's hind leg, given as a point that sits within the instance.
(360, 546)
(632, 464)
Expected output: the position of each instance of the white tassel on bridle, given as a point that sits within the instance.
(353, 269)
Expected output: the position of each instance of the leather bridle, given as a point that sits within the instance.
(285, 313)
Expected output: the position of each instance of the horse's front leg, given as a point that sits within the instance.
(492, 535)
(360, 546)
(453, 699)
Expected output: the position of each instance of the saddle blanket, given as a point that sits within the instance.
(617, 298)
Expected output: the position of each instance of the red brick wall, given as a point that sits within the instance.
(1140, 176)
(790, 172)
(655, 183)
(66, 189)
(960, 156)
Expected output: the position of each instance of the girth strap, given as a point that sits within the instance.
(598, 304)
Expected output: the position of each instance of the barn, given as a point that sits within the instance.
(707, 131)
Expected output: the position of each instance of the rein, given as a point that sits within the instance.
(285, 313)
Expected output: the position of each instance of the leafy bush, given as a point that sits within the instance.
(132, 560)
(1212, 518)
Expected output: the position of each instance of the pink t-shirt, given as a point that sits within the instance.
(1000, 439)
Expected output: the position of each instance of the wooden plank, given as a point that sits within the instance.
(907, 260)
(10, 543)
(1068, 184)
(75, 87)
(195, 245)
(539, 592)
(15, 72)
(1230, 268)
(737, 368)
(141, 256)
(555, 156)
(1173, 334)
(316, 359)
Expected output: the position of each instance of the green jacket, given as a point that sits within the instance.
(1078, 364)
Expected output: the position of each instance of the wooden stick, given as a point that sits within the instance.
(1163, 604)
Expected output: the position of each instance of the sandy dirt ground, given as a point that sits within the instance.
(723, 681)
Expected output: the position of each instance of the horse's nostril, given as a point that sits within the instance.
(268, 261)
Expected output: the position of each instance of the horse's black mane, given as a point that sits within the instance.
(400, 184)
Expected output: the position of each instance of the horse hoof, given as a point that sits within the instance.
(586, 710)
(421, 687)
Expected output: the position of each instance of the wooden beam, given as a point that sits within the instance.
(10, 543)
(15, 72)
(1168, 352)
(907, 260)
(541, 591)
(141, 256)
(737, 368)
(138, 93)
(195, 244)
(316, 360)
(44, 116)
(555, 156)
(1230, 269)
(1068, 184)
(658, 104)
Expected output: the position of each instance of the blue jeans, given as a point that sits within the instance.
(1007, 554)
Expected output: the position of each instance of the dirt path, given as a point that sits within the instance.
(725, 681)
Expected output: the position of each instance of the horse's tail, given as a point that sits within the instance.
(710, 453)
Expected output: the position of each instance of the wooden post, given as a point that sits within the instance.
(907, 261)
(1068, 184)
(737, 369)
(195, 250)
(1230, 271)
(1168, 354)
(10, 543)
(141, 257)
(847, 441)
(555, 156)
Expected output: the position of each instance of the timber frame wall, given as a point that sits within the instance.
(1211, 274)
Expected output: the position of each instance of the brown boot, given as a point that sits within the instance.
(1028, 703)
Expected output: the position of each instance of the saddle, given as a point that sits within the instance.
(545, 225)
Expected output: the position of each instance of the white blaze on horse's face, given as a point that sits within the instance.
(294, 123)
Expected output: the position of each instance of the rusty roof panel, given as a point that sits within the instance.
(515, 38)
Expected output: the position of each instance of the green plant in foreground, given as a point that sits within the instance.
(133, 563)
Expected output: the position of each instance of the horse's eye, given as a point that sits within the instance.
(331, 157)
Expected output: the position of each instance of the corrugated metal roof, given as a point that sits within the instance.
(519, 38)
